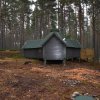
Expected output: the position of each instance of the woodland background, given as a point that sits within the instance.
(75, 19)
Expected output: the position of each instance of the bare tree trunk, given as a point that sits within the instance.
(80, 24)
(2, 26)
(0, 23)
(21, 29)
(93, 29)
(76, 24)
(69, 26)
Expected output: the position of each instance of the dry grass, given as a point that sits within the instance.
(87, 54)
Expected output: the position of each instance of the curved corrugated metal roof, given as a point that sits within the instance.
(33, 44)
(72, 43)
(39, 43)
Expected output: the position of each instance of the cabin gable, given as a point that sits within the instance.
(54, 49)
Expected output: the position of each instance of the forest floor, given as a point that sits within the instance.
(24, 79)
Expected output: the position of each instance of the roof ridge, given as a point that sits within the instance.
(40, 42)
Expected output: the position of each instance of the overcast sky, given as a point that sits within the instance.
(32, 7)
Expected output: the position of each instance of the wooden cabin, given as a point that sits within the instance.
(53, 47)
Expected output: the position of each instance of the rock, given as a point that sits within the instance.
(75, 94)
(3, 63)
(27, 62)
(86, 94)
(71, 82)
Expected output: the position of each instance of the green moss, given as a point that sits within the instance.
(17, 56)
(2, 49)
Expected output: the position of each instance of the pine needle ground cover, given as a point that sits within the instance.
(34, 81)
